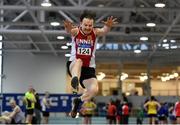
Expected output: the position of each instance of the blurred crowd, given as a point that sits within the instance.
(116, 111)
(36, 110)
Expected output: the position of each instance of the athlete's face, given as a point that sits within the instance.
(87, 25)
(13, 104)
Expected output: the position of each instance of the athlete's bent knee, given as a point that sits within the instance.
(94, 91)
(79, 61)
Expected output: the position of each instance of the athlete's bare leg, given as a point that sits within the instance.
(91, 90)
(45, 120)
(87, 120)
(178, 120)
(75, 67)
(29, 119)
(91, 86)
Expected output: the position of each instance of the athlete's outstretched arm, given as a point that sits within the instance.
(107, 26)
(70, 28)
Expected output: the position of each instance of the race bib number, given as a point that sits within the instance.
(84, 51)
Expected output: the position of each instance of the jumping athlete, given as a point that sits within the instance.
(81, 65)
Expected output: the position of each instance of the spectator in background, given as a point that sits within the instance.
(38, 108)
(139, 116)
(125, 113)
(125, 99)
(46, 104)
(88, 108)
(177, 111)
(152, 106)
(14, 117)
(111, 112)
(163, 114)
(29, 101)
(172, 114)
(119, 111)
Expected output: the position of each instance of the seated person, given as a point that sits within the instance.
(14, 117)
(5, 119)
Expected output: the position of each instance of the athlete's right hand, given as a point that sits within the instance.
(68, 25)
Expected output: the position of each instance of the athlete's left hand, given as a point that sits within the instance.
(110, 21)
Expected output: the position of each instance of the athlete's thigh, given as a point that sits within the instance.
(90, 83)
(75, 61)
(71, 65)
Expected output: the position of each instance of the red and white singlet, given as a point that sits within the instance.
(84, 47)
(177, 109)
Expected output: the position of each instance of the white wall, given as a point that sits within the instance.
(44, 72)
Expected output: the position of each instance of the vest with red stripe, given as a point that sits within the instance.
(83, 47)
(125, 110)
(177, 109)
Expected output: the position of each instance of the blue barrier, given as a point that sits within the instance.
(59, 102)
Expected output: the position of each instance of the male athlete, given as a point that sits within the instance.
(81, 65)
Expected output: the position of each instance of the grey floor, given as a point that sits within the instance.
(95, 120)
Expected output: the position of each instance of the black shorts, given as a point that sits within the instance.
(86, 73)
(161, 118)
(29, 111)
(152, 115)
(111, 117)
(87, 115)
(46, 114)
(172, 117)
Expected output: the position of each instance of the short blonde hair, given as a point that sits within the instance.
(12, 101)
